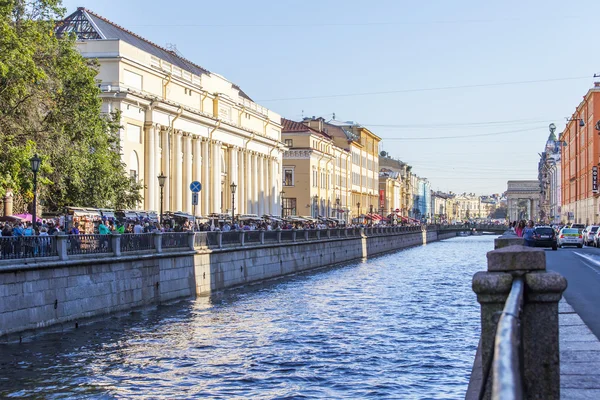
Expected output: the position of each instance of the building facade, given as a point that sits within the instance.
(183, 121)
(580, 157)
(316, 172)
(549, 174)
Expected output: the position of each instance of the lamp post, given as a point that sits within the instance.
(233, 186)
(337, 208)
(281, 194)
(316, 200)
(581, 125)
(35, 167)
(161, 182)
(358, 206)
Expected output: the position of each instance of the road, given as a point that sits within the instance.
(581, 267)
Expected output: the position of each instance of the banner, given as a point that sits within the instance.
(381, 198)
(594, 179)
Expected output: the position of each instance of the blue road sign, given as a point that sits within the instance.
(195, 186)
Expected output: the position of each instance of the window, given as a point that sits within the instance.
(133, 174)
(289, 142)
(288, 206)
(315, 178)
(288, 177)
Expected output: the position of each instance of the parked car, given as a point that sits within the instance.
(545, 236)
(570, 237)
(581, 227)
(589, 235)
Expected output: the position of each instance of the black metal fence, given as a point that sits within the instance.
(89, 244)
(49, 246)
(17, 247)
(171, 240)
(137, 242)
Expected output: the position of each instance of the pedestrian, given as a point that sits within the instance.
(520, 227)
(528, 233)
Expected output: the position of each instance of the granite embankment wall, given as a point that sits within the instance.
(61, 293)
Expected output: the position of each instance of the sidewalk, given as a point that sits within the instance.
(579, 356)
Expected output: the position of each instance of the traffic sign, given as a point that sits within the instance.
(195, 186)
(194, 199)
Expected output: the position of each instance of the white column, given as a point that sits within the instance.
(216, 177)
(241, 202)
(150, 175)
(187, 168)
(249, 181)
(255, 184)
(166, 165)
(233, 175)
(205, 181)
(177, 172)
(157, 167)
(197, 175)
(261, 185)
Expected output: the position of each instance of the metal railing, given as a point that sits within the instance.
(506, 365)
(137, 242)
(18, 247)
(171, 240)
(68, 245)
(89, 244)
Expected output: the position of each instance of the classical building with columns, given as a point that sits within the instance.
(181, 120)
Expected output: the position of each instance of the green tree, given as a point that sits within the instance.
(50, 105)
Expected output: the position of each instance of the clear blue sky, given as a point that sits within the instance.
(289, 55)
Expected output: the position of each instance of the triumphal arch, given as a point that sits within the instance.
(523, 199)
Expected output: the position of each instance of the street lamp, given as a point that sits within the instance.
(161, 182)
(358, 206)
(337, 207)
(281, 194)
(233, 186)
(35, 167)
(316, 199)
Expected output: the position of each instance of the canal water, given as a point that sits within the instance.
(400, 326)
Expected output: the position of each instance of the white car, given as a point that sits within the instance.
(569, 237)
(589, 235)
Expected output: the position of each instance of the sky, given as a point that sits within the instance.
(463, 91)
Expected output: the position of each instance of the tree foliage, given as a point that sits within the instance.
(50, 105)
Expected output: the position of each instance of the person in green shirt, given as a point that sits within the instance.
(120, 227)
(103, 229)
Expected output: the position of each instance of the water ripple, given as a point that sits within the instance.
(404, 325)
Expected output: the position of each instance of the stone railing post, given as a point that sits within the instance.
(261, 235)
(293, 234)
(306, 234)
(318, 231)
(539, 317)
(115, 239)
(345, 232)
(158, 241)
(362, 232)
(191, 240)
(61, 246)
(220, 239)
(278, 235)
(328, 233)
(242, 238)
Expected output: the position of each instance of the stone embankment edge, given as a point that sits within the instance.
(61, 294)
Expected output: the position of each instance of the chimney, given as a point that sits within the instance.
(316, 124)
(596, 84)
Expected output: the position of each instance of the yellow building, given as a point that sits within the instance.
(315, 171)
(184, 121)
